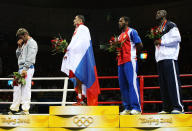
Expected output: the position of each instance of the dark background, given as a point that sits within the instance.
(45, 19)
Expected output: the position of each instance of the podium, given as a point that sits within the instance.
(94, 118)
(167, 122)
(24, 122)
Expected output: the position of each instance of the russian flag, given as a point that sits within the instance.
(79, 59)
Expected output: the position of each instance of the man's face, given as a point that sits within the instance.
(23, 37)
(159, 15)
(122, 23)
(76, 21)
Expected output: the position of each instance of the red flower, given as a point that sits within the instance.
(18, 79)
(112, 39)
(155, 33)
(53, 45)
(15, 83)
(65, 50)
(59, 45)
(52, 41)
(113, 45)
(154, 28)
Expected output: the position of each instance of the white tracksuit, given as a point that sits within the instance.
(170, 43)
(26, 59)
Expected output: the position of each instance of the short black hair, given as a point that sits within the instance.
(82, 18)
(127, 19)
(164, 12)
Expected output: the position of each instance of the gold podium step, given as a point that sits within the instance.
(32, 121)
(152, 121)
(24, 129)
(158, 129)
(94, 118)
(84, 129)
(84, 116)
(82, 110)
(84, 121)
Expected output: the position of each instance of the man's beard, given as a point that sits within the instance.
(122, 27)
(159, 19)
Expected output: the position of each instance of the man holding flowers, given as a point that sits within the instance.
(129, 40)
(166, 54)
(26, 54)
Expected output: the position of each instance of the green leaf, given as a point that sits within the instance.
(23, 81)
(19, 81)
(103, 47)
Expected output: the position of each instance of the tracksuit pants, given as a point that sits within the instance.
(129, 85)
(22, 94)
(170, 85)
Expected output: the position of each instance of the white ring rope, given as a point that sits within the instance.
(64, 90)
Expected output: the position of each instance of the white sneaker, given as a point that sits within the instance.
(125, 112)
(135, 112)
(23, 113)
(12, 112)
(177, 112)
(163, 112)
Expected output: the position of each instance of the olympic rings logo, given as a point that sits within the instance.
(83, 121)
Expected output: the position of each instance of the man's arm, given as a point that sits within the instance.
(31, 55)
(139, 46)
(171, 38)
(137, 40)
(18, 51)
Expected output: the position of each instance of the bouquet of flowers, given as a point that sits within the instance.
(18, 79)
(59, 45)
(112, 46)
(155, 33)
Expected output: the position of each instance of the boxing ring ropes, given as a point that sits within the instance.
(65, 90)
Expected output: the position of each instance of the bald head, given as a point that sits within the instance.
(161, 14)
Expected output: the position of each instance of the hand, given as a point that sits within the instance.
(65, 57)
(113, 40)
(19, 42)
(24, 73)
(157, 42)
(118, 51)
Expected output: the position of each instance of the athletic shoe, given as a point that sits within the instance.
(177, 112)
(23, 113)
(12, 112)
(135, 112)
(82, 103)
(125, 112)
(163, 112)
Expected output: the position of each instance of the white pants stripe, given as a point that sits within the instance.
(177, 86)
(135, 81)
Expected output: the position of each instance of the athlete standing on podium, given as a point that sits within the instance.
(26, 54)
(166, 54)
(79, 64)
(127, 67)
